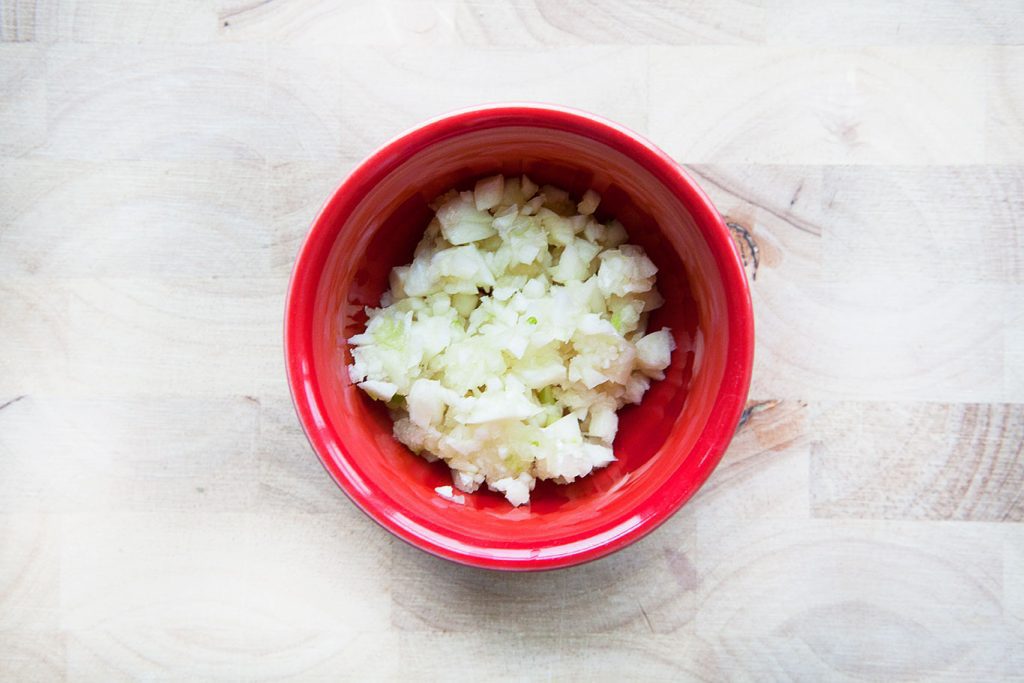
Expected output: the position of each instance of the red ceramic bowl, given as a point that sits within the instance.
(666, 446)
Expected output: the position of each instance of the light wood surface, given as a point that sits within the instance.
(162, 516)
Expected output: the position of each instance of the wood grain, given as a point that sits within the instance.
(23, 107)
(126, 454)
(882, 340)
(610, 79)
(919, 461)
(766, 472)
(161, 515)
(30, 578)
(921, 215)
(254, 619)
(886, 105)
(33, 656)
(1004, 132)
(924, 582)
(485, 23)
(649, 591)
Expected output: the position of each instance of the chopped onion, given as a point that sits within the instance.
(508, 344)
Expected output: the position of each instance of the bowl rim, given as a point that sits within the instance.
(728, 404)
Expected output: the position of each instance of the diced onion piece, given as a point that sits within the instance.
(654, 351)
(528, 188)
(615, 234)
(589, 203)
(516, 490)
(488, 192)
(462, 222)
(382, 391)
(604, 422)
(447, 493)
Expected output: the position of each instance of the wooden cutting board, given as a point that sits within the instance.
(161, 515)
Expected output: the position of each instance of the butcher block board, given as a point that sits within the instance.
(162, 516)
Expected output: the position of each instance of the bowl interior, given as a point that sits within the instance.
(665, 447)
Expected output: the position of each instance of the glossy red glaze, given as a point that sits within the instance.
(666, 447)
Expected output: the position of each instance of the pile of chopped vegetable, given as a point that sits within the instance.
(508, 344)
